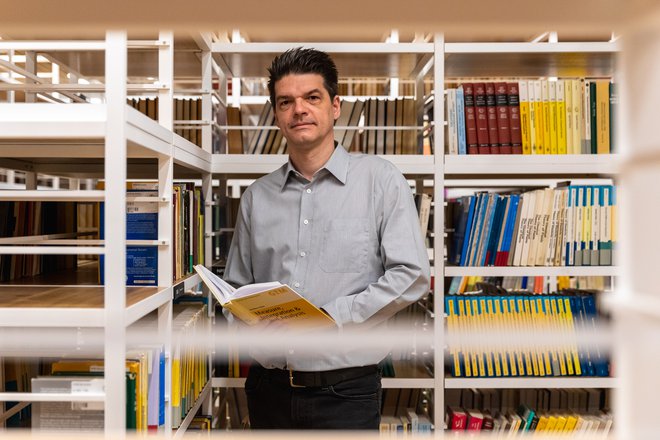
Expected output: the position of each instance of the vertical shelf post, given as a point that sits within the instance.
(115, 226)
(438, 228)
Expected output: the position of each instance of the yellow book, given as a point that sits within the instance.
(534, 321)
(545, 116)
(453, 332)
(543, 422)
(576, 87)
(571, 422)
(561, 423)
(500, 352)
(515, 362)
(469, 360)
(551, 425)
(472, 309)
(519, 319)
(539, 120)
(558, 325)
(568, 101)
(562, 147)
(543, 321)
(524, 117)
(525, 312)
(491, 324)
(532, 118)
(570, 327)
(485, 324)
(552, 120)
(265, 302)
(603, 116)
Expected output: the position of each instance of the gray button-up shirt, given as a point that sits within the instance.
(349, 241)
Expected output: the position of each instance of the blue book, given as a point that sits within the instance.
(480, 220)
(459, 221)
(509, 229)
(141, 224)
(484, 231)
(460, 120)
(598, 358)
(495, 231)
(473, 227)
(468, 229)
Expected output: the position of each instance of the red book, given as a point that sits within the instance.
(503, 128)
(480, 112)
(470, 119)
(474, 420)
(489, 422)
(493, 137)
(456, 418)
(514, 117)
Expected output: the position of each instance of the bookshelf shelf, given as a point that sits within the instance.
(387, 382)
(587, 271)
(385, 60)
(536, 165)
(532, 382)
(71, 306)
(518, 60)
(51, 397)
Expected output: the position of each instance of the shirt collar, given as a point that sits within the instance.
(337, 165)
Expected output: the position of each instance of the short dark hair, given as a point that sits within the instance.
(301, 61)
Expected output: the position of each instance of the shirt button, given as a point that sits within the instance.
(296, 284)
(302, 254)
(309, 191)
(306, 221)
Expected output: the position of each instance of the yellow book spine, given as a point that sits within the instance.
(574, 355)
(552, 423)
(463, 327)
(603, 116)
(524, 360)
(176, 382)
(538, 118)
(534, 321)
(543, 320)
(530, 357)
(562, 147)
(473, 311)
(500, 352)
(561, 423)
(492, 325)
(570, 370)
(568, 101)
(512, 352)
(558, 326)
(543, 422)
(571, 421)
(545, 112)
(552, 106)
(524, 117)
(453, 333)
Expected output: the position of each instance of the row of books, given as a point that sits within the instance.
(145, 380)
(190, 369)
(548, 411)
(185, 109)
(469, 316)
(379, 116)
(24, 219)
(572, 225)
(565, 116)
(537, 284)
(405, 410)
(526, 420)
(502, 400)
(142, 224)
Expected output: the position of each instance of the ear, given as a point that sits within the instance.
(336, 107)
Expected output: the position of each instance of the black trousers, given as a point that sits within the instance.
(274, 404)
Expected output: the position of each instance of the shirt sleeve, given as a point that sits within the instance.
(403, 252)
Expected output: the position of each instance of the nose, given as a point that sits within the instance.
(299, 106)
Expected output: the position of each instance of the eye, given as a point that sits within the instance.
(284, 104)
(314, 98)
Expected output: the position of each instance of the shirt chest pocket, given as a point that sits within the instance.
(345, 245)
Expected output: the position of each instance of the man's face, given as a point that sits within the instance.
(304, 111)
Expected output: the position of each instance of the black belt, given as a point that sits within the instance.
(320, 379)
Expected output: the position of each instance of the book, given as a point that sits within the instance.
(270, 301)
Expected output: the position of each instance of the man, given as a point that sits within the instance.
(340, 229)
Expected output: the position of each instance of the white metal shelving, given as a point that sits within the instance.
(495, 271)
(102, 140)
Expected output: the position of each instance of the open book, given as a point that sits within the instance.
(265, 301)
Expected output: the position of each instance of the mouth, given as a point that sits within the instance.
(302, 125)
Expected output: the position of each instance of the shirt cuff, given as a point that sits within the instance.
(340, 310)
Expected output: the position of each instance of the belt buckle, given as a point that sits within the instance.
(293, 385)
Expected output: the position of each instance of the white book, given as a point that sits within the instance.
(520, 229)
(554, 229)
(560, 251)
(535, 226)
(595, 225)
(452, 127)
(586, 117)
(529, 225)
(568, 99)
(544, 227)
